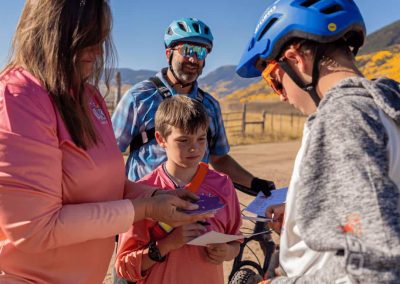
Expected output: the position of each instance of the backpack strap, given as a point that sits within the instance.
(200, 95)
(142, 138)
(161, 88)
(148, 135)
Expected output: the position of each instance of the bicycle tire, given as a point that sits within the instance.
(244, 263)
(245, 276)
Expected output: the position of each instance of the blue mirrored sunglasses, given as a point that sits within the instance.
(188, 50)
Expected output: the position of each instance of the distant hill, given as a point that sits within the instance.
(383, 63)
(131, 77)
(223, 81)
(378, 57)
(382, 38)
(254, 92)
(220, 82)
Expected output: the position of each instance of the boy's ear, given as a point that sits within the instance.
(160, 140)
(297, 59)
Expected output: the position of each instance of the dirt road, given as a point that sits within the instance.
(273, 161)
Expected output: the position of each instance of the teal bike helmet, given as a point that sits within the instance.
(322, 21)
(189, 30)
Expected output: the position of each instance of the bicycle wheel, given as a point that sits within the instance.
(245, 276)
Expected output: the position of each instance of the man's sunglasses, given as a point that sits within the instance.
(273, 83)
(188, 50)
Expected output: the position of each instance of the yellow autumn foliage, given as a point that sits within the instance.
(384, 63)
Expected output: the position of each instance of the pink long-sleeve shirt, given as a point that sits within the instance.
(60, 206)
(187, 264)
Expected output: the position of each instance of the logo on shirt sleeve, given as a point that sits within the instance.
(98, 112)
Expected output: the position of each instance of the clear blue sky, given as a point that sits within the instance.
(139, 26)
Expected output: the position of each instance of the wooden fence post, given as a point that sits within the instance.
(244, 119)
(263, 121)
(117, 97)
(272, 123)
(298, 123)
(291, 123)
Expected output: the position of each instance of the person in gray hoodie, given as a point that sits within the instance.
(342, 215)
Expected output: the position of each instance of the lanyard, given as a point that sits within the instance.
(192, 186)
(196, 181)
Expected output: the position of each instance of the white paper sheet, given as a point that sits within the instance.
(261, 203)
(213, 237)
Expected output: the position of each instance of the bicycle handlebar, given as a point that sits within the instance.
(245, 189)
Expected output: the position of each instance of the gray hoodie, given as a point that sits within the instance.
(349, 201)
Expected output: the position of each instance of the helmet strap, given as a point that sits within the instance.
(310, 88)
(178, 82)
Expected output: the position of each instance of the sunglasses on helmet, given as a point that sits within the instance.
(189, 50)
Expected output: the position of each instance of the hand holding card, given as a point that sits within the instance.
(206, 204)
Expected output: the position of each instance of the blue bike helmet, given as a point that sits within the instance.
(322, 21)
(188, 30)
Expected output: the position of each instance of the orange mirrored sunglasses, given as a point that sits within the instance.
(273, 83)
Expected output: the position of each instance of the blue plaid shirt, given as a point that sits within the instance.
(135, 113)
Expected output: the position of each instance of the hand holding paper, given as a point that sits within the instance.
(276, 212)
(261, 203)
(218, 253)
(183, 234)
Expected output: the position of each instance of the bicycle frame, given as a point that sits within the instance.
(265, 241)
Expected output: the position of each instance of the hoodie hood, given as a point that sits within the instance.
(385, 93)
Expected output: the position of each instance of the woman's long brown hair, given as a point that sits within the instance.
(49, 38)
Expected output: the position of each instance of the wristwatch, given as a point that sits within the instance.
(154, 252)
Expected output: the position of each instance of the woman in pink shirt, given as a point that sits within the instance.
(63, 192)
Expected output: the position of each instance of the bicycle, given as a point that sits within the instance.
(246, 271)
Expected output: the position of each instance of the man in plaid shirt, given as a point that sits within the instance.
(187, 42)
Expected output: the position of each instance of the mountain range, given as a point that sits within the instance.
(379, 54)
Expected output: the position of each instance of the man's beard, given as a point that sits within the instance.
(187, 72)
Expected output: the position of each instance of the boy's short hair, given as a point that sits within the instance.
(181, 112)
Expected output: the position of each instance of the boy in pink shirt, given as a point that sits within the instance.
(148, 253)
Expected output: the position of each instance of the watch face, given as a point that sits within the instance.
(154, 252)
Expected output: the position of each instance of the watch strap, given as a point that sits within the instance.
(154, 252)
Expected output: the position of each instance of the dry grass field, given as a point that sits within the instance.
(262, 127)
(273, 161)
(261, 121)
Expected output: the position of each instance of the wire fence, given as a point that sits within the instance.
(243, 127)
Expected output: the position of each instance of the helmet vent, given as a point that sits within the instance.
(309, 3)
(182, 26)
(267, 27)
(169, 31)
(206, 30)
(251, 44)
(332, 9)
(196, 27)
